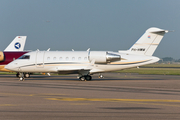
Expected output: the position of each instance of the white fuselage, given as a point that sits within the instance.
(85, 63)
(79, 62)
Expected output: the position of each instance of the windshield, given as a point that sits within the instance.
(24, 57)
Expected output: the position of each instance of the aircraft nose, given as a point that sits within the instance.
(10, 67)
(7, 67)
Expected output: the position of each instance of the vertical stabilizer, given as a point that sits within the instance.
(17, 44)
(148, 42)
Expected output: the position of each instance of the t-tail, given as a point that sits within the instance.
(17, 44)
(148, 42)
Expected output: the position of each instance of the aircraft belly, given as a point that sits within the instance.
(120, 66)
(34, 69)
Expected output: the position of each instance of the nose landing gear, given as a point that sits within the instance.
(21, 76)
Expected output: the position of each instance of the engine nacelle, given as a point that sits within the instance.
(103, 57)
(1, 56)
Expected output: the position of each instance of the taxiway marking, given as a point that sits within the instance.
(113, 100)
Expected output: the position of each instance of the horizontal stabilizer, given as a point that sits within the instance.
(156, 30)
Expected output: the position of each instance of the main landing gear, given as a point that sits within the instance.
(85, 77)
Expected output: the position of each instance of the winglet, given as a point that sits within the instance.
(48, 49)
(88, 49)
(17, 44)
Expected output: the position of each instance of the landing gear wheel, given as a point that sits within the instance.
(82, 78)
(26, 75)
(88, 77)
(21, 79)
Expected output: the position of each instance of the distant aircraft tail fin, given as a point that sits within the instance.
(148, 42)
(17, 44)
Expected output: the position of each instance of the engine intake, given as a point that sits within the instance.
(1, 56)
(103, 57)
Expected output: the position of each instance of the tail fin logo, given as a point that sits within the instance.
(149, 36)
(17, 45)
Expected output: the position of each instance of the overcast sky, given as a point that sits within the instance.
(97, 24)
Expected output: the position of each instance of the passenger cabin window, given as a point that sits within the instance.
(48, 58)
(25, 57)
(54, 58)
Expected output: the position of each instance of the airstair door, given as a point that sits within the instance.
(40, 59)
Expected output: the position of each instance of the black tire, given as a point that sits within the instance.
(82, 78)
(26, 75)
(21, 79)
(88, 77)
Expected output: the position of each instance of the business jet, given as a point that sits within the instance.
(87, 63)
(13, 51)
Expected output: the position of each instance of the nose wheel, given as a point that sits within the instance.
(21, 77)
(26, 75)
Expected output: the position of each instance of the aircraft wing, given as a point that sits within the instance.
(74, 71)
(83, 70)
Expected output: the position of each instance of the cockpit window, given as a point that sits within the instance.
(25, 57)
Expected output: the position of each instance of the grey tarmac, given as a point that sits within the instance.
(116, 96)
